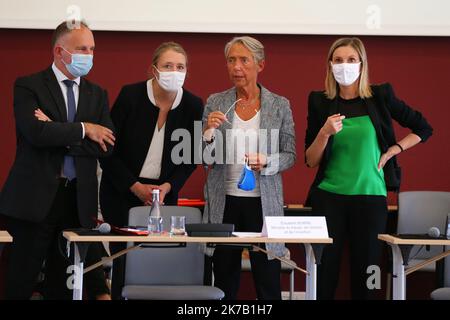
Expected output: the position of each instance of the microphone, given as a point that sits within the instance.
(104, 228)
(434, 232)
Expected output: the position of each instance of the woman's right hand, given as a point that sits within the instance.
(143, 192)
(333, 125)
(215, 120)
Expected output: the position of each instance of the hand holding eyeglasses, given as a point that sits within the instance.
(216, 118)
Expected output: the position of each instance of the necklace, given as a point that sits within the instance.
(244, 105)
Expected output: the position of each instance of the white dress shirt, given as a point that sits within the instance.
(60, 77)
(245, 137)
(151, 168)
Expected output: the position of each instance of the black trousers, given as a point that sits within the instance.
(246, 215)
(35, 243)
(115, 207)
(358, 219)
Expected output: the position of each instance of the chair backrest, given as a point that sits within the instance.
(165, 266)
(447, 269)
(418, 211)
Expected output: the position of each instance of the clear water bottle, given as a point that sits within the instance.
(155, 221)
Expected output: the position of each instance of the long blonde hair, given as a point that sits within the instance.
(331, 86)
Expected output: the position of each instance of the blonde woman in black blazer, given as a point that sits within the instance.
(145, 114)
(351, 138)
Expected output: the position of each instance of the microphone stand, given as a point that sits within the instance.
(205, 167)
(208, 264)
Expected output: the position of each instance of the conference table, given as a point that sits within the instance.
(313, 251)
(4, 238)
(401, 248)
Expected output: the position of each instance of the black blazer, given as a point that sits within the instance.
(135, 117)
(32, 183)
(382, 108)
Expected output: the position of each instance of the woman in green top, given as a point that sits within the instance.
(351, 138)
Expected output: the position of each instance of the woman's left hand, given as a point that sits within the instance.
(164, 190)
(392, 151)
(257, 161)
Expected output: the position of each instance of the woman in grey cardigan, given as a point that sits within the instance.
(247, 126)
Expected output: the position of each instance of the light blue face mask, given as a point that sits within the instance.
(247, 182)
(81, 64)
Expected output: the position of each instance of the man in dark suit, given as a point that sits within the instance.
(62, 127)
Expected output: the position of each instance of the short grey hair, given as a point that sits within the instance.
(255, 47)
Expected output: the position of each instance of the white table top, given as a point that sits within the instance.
(73, 237)
(395, 240)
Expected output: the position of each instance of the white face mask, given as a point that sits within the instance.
(345, 73)
(171, 80)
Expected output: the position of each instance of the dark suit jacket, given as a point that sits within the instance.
(134, 118)
(382, 108)
(32, 183)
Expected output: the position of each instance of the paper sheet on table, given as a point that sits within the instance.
(247, 234)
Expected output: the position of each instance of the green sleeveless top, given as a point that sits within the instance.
(353, 166)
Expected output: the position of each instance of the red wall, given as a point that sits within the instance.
(418, 68)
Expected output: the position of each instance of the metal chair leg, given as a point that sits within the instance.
(291, 291)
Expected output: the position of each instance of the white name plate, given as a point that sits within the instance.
(295, 227)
